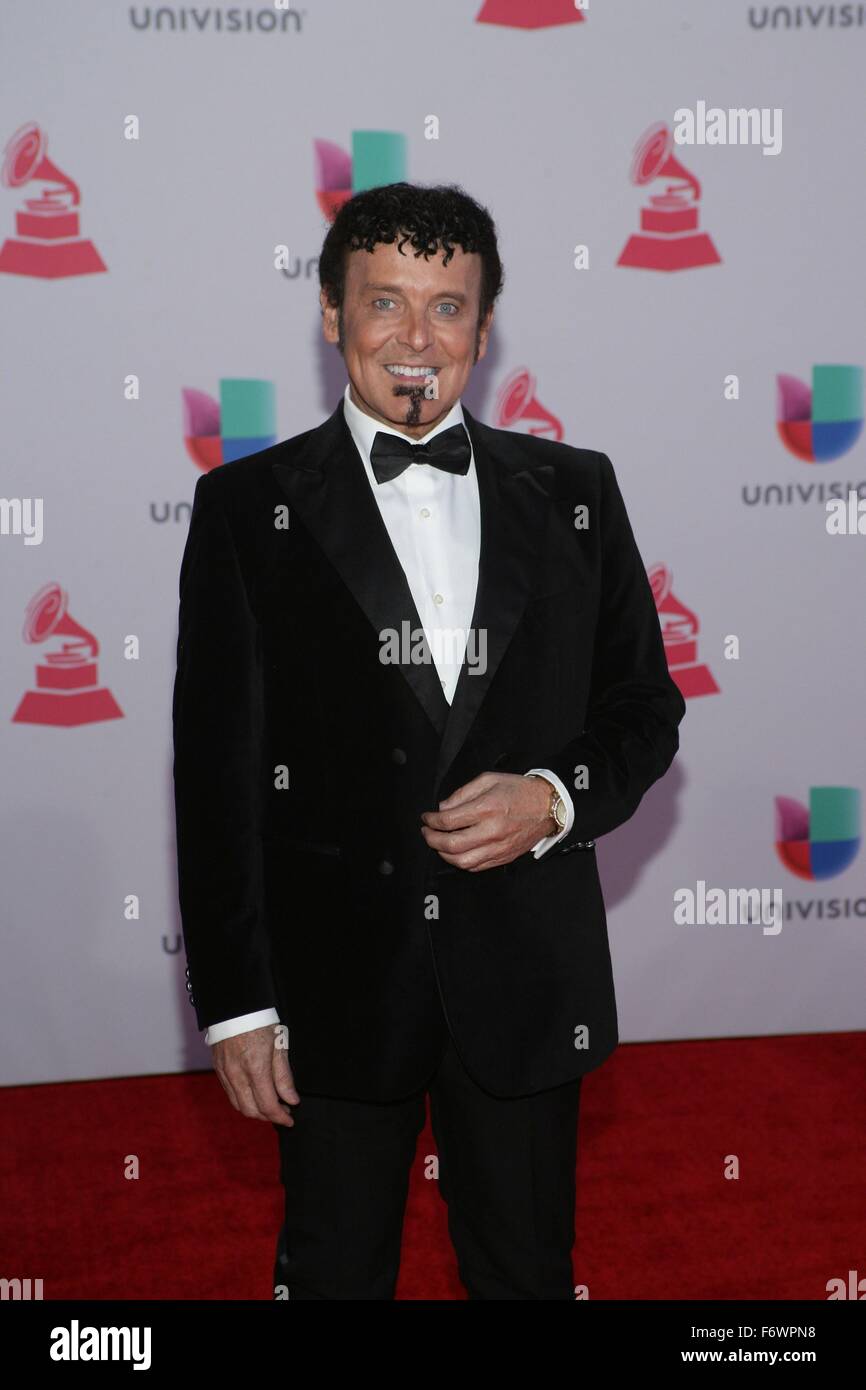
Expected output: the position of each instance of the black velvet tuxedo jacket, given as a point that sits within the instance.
(302, 765)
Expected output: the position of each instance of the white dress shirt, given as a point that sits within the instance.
(433, 519)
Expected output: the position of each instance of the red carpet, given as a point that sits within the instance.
(656, 1216)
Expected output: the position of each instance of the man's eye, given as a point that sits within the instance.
(377, 302)
(449, 306)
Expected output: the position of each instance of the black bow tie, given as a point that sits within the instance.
(391, 454)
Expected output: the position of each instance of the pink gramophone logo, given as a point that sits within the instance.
(517, 405)
(67, 691)
(668, 238)
(679, 633)
(48, 245)
(531, 14)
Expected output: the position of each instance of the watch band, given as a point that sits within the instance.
(556, 812)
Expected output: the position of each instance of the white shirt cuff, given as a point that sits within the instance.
(549, 840)
(243, 1023)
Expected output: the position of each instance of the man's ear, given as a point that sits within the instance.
(482, 334)
(329, 311)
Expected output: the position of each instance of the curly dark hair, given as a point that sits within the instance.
(430, 219)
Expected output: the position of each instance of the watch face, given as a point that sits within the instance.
(559, 814)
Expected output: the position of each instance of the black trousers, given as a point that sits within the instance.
(506, 1171)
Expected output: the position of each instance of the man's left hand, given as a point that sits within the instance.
(491, 820)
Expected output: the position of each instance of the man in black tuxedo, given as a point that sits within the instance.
(419, 672)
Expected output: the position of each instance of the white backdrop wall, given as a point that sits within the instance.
(540, 125)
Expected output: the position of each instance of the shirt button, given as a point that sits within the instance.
(425, 512)
(437, 598)
(398, 756)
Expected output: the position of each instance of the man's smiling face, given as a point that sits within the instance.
(403, 311)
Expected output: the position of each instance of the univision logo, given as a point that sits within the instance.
(209, 19)
(822, 839)
(817, 422)
(377, 157)
(216, 431)
(807, 16)
(241, 422)
(823, 421)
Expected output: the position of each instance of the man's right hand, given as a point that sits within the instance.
(255, 1075)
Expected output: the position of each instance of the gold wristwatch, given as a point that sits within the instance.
(557, 811)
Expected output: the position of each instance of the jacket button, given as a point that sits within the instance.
(386, 867)
(398, 756)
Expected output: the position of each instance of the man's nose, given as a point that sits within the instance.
(416, 331)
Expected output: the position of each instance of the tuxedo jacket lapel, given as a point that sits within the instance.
(515, 497)
(327, 488)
